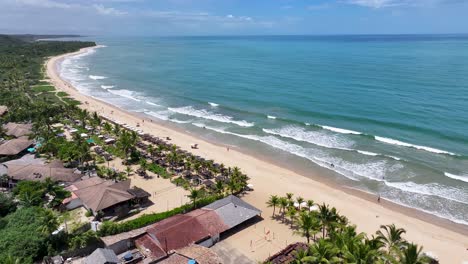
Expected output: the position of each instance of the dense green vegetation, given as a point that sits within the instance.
(26, 222)
(25, 233)
(336, 241)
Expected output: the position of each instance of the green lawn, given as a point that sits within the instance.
(62, 94)
(43, 88)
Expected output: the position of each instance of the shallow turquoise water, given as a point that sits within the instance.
(389, 112)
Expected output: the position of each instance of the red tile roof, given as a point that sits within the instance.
(180, 231)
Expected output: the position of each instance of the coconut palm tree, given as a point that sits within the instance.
(289, 196)
(307, 225)
(361, 252)
(411, 254)
(193, 196)
(292, 214)
(322, 252)
(128, 170)
(391, 236)
(50, 222)
(283, 203)
(327, 218)
(107, 127)
(299, 200)
(273, 202)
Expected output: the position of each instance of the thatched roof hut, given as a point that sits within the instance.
(15, 146)
(17, 129)
(39, 172)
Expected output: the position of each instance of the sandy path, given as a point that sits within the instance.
(447, 241)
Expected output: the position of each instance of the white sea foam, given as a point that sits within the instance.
(314, 137)
(205, 114)
(180, 121)
(97, 77)
(307, 124)
(404, 144)
(125, 93)
(271, 117)
(107, 86)
(434, 189)
(457, 177)
(368, 153)
(341, 130)
(371, 170)
(151, 103)
(163, 115)
(213, 104)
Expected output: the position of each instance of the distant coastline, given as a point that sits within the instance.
(261, 171)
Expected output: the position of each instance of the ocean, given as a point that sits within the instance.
(386, 114)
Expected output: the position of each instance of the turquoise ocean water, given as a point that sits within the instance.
(387, 114)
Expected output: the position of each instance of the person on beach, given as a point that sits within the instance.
(227, 149)
(378, 199)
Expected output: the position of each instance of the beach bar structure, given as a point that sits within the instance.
(17, 129)
(15, 147)
(204, 227)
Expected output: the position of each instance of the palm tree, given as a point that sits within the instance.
(283, 203)
(289, 196)
(310, 203)
(307, 225)
(327, 218)
(12, 260)
(292, 214)
(219, 187)
(273, 202)
(193, 196)
(411, 254)
(128, 170)
(391, 236)
(299, 200)
(143, 164)
(50, 222)
(107, 127)
(322, 252)
(360, 252)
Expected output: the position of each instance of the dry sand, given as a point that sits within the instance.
(446, 240)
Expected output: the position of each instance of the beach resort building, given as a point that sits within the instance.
(203, 227)
(32, 169)
(17, 129)
(104, 197)
(15, 147)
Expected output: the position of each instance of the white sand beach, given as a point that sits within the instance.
(446, 240)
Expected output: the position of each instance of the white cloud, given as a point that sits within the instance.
(45, 4)
(394, 3)
(108, 10)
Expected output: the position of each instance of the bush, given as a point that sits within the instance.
(155, 168)
(111, 228)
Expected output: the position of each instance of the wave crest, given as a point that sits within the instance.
(205, 114)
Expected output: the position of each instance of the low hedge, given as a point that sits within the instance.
(112, 228)
(155, 168)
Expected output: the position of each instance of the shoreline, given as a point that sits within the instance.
(447, 239)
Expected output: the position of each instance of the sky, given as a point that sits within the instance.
(233, 17)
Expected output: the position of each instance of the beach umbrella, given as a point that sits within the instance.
(313, 208)
(296, 204)
(303, 204)
(250, 185)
